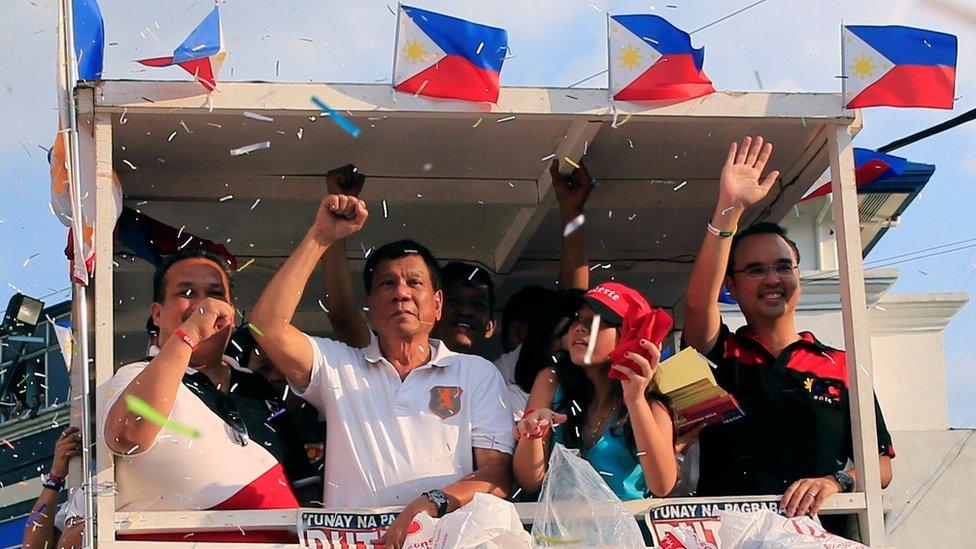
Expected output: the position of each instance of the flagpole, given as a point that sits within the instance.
(609, 61)
(396, 44)
(843, 68)
(80, 291)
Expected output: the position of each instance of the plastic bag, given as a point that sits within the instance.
(486, 522)
(768, 530)
(577, 508)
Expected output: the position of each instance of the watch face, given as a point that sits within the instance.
(845, 480)
(438, 497)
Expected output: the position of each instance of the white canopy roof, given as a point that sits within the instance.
(457, 177)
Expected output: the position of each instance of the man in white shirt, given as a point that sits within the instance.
(404, 414)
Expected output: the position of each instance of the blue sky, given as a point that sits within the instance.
(780, 45)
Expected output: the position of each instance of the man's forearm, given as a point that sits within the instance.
(280, 298)
(156, 385)
(494, 479)
(574, 271)
(705, 283)
(348, 324)
(39, 530)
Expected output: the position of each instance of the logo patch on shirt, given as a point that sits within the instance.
(445, 402)
(823, 390)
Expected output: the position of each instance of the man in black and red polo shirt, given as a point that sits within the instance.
(795, 438)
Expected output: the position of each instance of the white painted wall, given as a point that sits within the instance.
(933, 493)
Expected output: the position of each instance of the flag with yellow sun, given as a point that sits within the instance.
(898, 66)
(652, 60)
(442, 56)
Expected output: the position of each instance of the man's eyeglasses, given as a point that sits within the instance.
(759, 272)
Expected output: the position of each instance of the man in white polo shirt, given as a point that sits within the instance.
(408, 421)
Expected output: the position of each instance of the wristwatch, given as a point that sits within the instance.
(439, 499)
(845, 480)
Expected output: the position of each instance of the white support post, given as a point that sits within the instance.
(857, 340)
(104, 321)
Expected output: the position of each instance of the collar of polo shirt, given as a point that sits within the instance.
(440, 353)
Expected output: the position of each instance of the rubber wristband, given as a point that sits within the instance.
(53, 482)
(720, 233)
(186, 338)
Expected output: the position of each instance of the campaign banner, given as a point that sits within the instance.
(700, 517)
(341, 529)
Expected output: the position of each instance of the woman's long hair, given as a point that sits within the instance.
(551, 321)
(577, 394)
(577, 389)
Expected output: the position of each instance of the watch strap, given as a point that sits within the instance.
(439, 499)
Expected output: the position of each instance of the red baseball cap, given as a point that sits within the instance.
(615, 302)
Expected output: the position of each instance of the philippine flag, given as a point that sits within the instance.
(201, 54)
(652, 60)
(442, 56)
(869, 166)
(898, 67)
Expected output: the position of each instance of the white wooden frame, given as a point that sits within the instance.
(586, 106)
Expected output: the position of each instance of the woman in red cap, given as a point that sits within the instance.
(599, 397)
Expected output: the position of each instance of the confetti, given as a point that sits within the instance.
(591, 344)
(7, 443)
(301, 132)
(140, 407)
(343, 123)
(322, 306)
(250, 148)
(548, 157)
(571, 162)
(574, 225)
(226, 198)
(129, 164)
(256, 116)
(171, 136)
(481, 46)
(420, 90)
(506, 119)
(477, 123)
(276, 415)
(246, 265)
(386, 213)
(256, 202)
(679, 186)
(255, 329)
